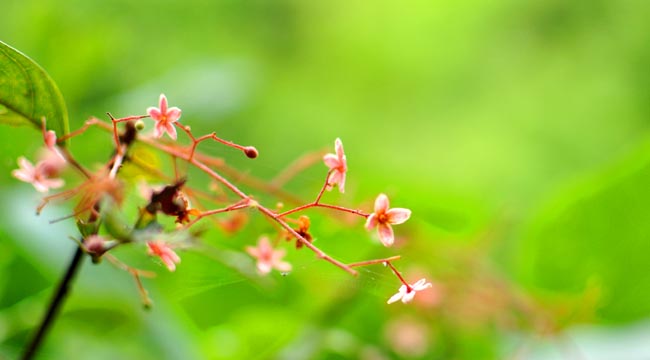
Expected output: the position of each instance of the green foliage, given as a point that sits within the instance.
(473, 114)
(28, 94)
(596, 239)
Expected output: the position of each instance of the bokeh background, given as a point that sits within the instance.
(517, 132)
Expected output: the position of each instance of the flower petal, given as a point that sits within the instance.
(398, 296)
(331, 161)
(342, 183)
(40, 187)
(381, 204)
(53, 183)
(171, 130)
(23, 175)
(154, 113)
(25, 164)
(421, 285)
(335, 178)
(264, 245)
(398, 216)
(408, 296)
(338, 146)
(173, 114)
(264, 267)
(371, 222)
(386, 235)
(162, 103)
(159, 129)
(173, 256)
(253, 251)
(283, 266)
(169, 262)
(277, 255)
(395, 298)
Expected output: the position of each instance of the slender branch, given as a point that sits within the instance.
(375, 261)
(55, 305)
(327, 206)
(271, 214)
(399, 275)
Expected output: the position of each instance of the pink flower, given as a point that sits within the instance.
(164, 252)
(164, 118)
(383, 218)
(40, 175)
(267, 258)
(338, 167)
(407, 292)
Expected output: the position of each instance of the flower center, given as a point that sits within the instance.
(382, 218)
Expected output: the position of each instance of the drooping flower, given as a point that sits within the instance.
(383, 218)
(40, 176)
(302, 230)
(164, 117)
(164, 252)
(338, 167)
(406, 293)
(267, 257)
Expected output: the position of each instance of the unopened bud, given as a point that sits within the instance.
(95, 246)
(139, 125)
(251, 152)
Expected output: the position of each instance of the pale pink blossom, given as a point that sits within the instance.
(383, 218)
(267, 257)
(338, 166)
(165, 118)
(406, 293)
(51, 162)
(40, 176)
(164, 252)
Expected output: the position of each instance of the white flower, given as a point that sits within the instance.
(407, 292)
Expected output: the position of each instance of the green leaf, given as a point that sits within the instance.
(28, 94)
(595, 239)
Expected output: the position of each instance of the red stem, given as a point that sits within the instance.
(399, 275)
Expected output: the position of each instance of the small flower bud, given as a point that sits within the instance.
(96, 247)
(139, 125)
(251, 152)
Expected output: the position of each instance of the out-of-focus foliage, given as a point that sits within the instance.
(517, 132)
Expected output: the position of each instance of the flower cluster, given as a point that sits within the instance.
(103, 226)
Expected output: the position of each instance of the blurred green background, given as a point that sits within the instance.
(517, 132)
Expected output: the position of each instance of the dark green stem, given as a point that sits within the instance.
(55, 305)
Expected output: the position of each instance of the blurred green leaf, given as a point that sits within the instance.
(596, 240)
(28, 94)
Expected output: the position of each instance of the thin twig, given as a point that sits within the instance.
(55, 304)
